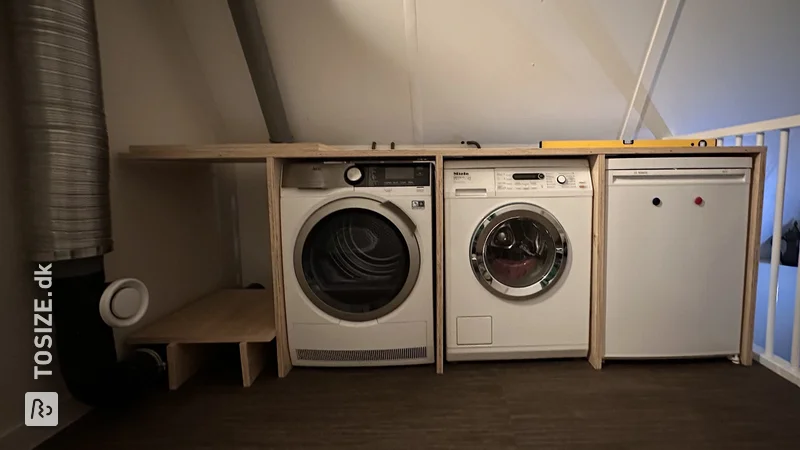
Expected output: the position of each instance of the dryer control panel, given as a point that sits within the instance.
(359, 174)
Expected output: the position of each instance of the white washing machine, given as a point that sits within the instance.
(358, 262)
(517, 258)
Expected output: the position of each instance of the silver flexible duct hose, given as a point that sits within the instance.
(64, 128)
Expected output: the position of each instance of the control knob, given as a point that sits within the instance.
(353, 175)
(561, 179)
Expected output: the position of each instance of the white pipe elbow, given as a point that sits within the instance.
(124, 302)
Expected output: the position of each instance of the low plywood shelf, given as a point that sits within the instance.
(239, 316)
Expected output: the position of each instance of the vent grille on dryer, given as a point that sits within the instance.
(362, 355)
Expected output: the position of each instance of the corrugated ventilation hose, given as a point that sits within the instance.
(64, 128)
(60, 106)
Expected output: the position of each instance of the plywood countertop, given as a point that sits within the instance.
(260, 152)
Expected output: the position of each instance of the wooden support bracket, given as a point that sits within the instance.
(183, 361)
(253, 358)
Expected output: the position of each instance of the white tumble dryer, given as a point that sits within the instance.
(358, 262)
(517, 258)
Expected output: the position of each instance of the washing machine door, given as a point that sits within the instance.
(519, 251)
(357, 258)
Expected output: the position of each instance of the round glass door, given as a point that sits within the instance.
(357, 259)
(519, 251)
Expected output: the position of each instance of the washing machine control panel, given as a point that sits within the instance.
(534, 180)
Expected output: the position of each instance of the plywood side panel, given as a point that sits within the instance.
(439, 264)
(597, 326)
(274, 206)
(751, 267)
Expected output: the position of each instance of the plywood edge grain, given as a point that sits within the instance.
(260, 152)
(751, 266)
(253, 359)
(439, 311)
(183, 361)
(597, 325)
(273, 167)
(234, 152)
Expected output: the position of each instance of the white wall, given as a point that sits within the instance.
(167, 231)
(221, 62)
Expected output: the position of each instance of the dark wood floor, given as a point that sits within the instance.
(541, 405)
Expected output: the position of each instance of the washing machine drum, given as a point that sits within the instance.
(519, 251)
(357, 259)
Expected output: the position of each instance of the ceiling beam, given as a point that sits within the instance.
(256, 53)
(657, 48)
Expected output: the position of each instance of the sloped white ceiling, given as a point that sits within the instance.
(341, 68)
(731, 62)
(503, 71)
(521, 71)
(496, 71)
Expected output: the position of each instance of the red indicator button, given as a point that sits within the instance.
(698, 201)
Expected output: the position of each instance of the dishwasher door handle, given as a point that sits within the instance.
(678, 177)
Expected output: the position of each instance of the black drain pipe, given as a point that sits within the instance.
(85, 344)
(63, 129)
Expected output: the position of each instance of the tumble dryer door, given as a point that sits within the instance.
(357, 258)
(519, 251)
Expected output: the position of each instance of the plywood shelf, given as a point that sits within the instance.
(252, 318)
(239, 316)
(260, 152)
(231, 315)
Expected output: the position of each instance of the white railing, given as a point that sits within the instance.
(766, 356)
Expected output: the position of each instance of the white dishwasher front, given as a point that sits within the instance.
(675, 261)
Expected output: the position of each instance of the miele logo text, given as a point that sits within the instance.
(461, 173)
